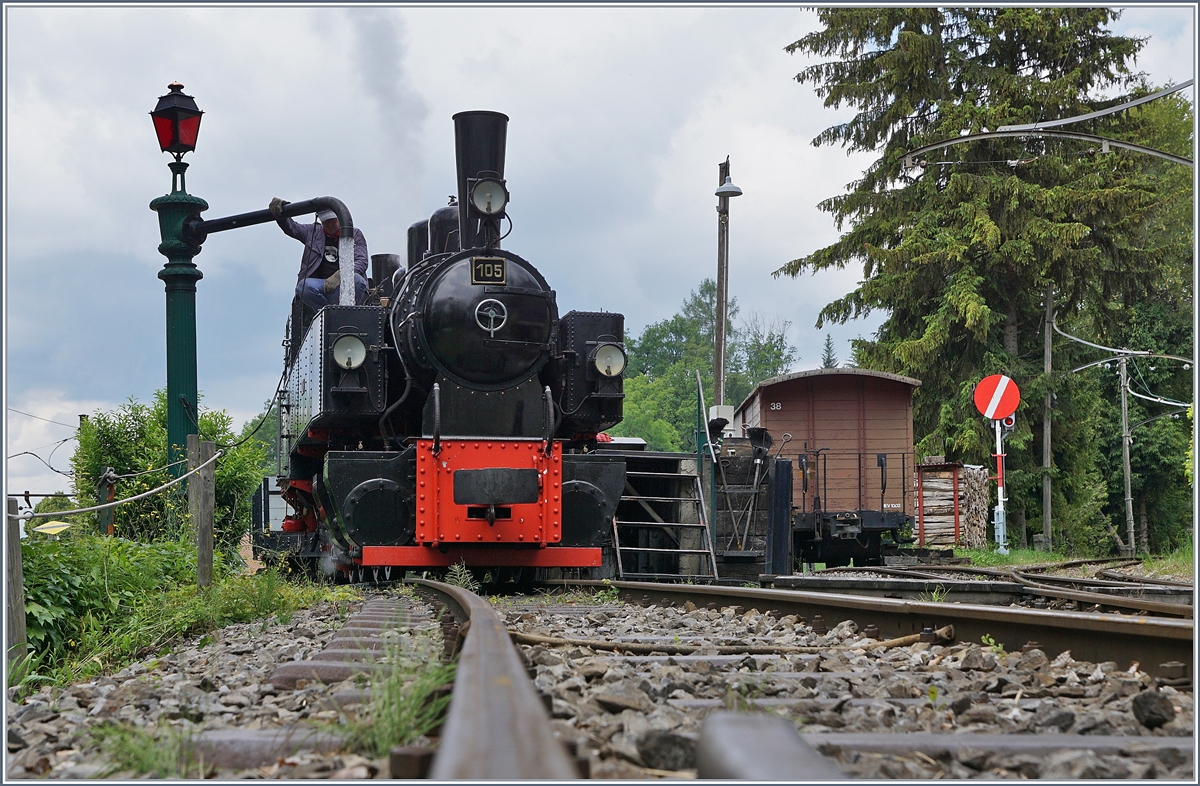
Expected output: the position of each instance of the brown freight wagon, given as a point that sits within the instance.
(852, 435)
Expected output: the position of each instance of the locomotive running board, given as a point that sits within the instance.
(425, 557)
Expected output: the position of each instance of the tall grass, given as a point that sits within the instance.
(94, 603)
(185, 611)
(460, 575)
(989, 557)
(1180, 562)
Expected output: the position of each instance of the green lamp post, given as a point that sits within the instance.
(177, 123)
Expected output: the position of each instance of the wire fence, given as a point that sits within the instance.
(27, 515)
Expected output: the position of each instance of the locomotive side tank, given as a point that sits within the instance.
(455, 420)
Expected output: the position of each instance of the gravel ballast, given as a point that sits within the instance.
(610, 704)
(215, 692)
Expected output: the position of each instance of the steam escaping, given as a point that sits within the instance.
(378, 50)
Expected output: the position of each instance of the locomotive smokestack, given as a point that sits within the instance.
(479, 139)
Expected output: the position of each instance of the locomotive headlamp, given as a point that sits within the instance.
(176, 121)
(349, 352)
(609, 360)
(489, 196)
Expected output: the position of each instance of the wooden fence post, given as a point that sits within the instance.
(16, 588)
(202, 504)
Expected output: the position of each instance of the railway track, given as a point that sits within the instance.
(1032, 586)
(676, 681)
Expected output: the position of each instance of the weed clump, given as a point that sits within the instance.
(410, 693)
(163, 753)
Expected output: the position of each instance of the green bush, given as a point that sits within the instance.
(82, 582)
(133, 439)
(94, 602)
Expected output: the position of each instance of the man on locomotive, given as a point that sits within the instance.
(319, 281)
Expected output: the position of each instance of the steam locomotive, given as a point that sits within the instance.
(452, 418)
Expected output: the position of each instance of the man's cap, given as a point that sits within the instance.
(326, 215)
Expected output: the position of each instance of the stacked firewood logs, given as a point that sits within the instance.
(937, 489)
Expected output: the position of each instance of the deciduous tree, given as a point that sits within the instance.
(660, 388)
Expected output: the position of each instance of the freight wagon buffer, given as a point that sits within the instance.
(853, 477)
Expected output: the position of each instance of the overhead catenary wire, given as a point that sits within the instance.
(47, 463)
(38, 417)
(1160, 400)
(56, 444)
(30, 515)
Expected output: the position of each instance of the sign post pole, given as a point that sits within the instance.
(999, 518)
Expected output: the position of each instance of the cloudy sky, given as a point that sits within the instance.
(619, 119)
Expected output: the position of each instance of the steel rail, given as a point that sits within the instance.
(1125, 577)
(967, 569)
(496, 728)
(1087, 581)
(1074, 563)
(1151, 641)
(1114, 601)
(997, 588)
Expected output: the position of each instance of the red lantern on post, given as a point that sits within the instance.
(176, 121)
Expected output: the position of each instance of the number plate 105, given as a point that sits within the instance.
(488, 270)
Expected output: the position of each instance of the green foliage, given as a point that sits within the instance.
(828, 357)
(92, 602)
(1181, 562)
(405, 703)
(133, 439)
(460, 575)
(1189, 467)
(996, 648)
(76, 584)
(165, 752)
(938, 595)
(962, 253)
(660, 385)
(609, 594)
(990, 558)
(23, 675)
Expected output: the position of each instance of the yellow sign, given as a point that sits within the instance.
(52, 527)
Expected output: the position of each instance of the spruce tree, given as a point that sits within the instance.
(961, 251)
(828, 358)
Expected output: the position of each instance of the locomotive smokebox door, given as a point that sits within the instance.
(593, 349)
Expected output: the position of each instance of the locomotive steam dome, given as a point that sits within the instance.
(479, 334)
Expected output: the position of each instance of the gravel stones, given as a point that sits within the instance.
(664, 750)
(214, 684)
(1152, 709)
(623, 696)
(633, 709)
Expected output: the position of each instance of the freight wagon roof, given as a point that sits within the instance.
(828, 372)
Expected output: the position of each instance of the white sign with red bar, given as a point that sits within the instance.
(997, 397)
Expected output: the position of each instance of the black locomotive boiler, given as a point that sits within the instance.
(453, 417)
